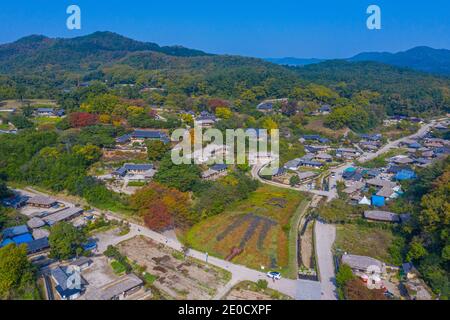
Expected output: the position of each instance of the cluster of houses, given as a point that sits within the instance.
(370, 142)
(374, 186)
(396, 119)
(423, 151)
(43, 212)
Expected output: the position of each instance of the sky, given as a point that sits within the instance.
(264, 28)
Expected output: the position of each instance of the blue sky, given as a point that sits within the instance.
(264, 28)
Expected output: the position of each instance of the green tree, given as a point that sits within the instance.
(156, 149)
(17, 278)
(66, 241)
(295, 180)
(343, 276)
(416, 251)
(183, 177)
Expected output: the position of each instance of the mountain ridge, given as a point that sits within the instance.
(420, 58)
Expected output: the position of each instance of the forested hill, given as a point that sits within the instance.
(403, 91)
(34, 53)
(41, 67)
(420, 58)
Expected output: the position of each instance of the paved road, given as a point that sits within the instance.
(394, 144)
(298, 289)
(338, 171)
(325, 234)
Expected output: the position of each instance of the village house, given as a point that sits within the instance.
(35, 223)
(385, 188)
(364, 265)
(323, 157)
(49, 112)
(16, 201)
(306, 176)
(38, 245)
(133, 171)
(293, 164)
(265, 107)
(401, 160)
(42, 202)
(347, 153)
(383, 216)
(61, 280)
(371, 137)
(215, 172)
(317, 148)
(314, 137)
(117, 290)
(40, 233)
(205, 120)
(63, 215)
(140, 136)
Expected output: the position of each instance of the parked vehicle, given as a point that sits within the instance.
(274, 275)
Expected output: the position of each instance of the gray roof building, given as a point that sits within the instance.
(363, 263)
(42, 201)
(35, 223)
(63, 215)
(120, 288)
(384, 216)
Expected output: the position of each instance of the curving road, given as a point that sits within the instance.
(298, 289)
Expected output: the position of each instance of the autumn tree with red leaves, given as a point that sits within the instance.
(82, 119)
(162, 207)
(213, 104)
(158, 217)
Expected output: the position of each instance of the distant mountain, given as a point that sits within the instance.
(424, 59)
(33, 53)
(290, 61)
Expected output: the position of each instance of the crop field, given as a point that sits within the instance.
(254, 232)
(17, 104)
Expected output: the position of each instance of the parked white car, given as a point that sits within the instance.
(274, 275)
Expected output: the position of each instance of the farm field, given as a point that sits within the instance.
(316, 125)
(253, 232)
(17, 104)
(367, 241)
(176, 277)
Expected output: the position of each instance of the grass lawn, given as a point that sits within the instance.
(149, 278)
(4, 126)
(46, 120)
(365, 241)
(259, 225)
(117, 267)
